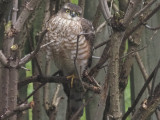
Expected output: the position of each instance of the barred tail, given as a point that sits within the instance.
(74, 103)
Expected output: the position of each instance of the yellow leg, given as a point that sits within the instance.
(72, 78)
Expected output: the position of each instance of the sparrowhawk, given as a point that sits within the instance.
(63, 30)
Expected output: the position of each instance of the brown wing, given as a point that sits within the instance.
(90, 37)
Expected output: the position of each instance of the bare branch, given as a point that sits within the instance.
(132, 7)
(152, 28)
(97, 16)
(52, 111)
(18, 109)
(80, 109)
(41, 85)
(104, 57)
(148, 106)
(14, 13)
(142, 68)
(105, 10)
(141, 92)
(32, 54)
(56, 79)
(144, 9)
(29, 7)
(101, 44)
(142, 21)
(100, 27)
(133, 51)
(3, 59)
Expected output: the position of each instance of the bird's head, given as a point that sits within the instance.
(71, 11)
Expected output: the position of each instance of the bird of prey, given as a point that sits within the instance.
(63, 30)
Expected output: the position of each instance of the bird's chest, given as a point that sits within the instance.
(64, 33)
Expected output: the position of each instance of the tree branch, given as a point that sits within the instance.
(148, 106)
(132, 7)
(142, 68)
(29, 7)
(18, 109)
(141, 92)
(104, 57)
(32, 54)
(144, 9)
(52, 111)
(3, 59)
(56, 79)
(105, 10)
(142, 22)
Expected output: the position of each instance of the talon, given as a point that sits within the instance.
(72, 79)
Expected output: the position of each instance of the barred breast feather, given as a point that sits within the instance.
(63, 34)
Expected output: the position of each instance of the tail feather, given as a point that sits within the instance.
(75, 101)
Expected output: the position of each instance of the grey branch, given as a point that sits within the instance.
(20, 108)
(148, 106)
(32, 54)
(144, 9)
(56, 79)
(105, 10)
(100, 27)
(132, 7)
(3, 59)
(28, 9)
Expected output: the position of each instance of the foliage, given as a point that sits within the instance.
(74, 1)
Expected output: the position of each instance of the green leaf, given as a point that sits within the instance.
(74, 2)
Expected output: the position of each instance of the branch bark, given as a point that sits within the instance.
(29, 7)
(3, 59)
(32, 54)
(56, 79)
(18, 109)
(114, 76)
(148, 106)
(141, 92)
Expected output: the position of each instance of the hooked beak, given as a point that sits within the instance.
(73, 14)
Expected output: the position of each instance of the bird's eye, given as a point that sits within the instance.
(67, 11)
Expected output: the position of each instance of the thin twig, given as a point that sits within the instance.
(3, 59)
(18, 109)
(80, 109)
(41, 85)
(152, 28)
(153, 81)
(75, 59)
(144, 9)
(132, 7)
(105, 10)
(143, 70)
(133, 52)
(55, 97)
(75, 63)
(101, 44)
(100, 27)
(142, 22)
(32, 54)
(141, 92)
(111, 5)
(97, 17)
